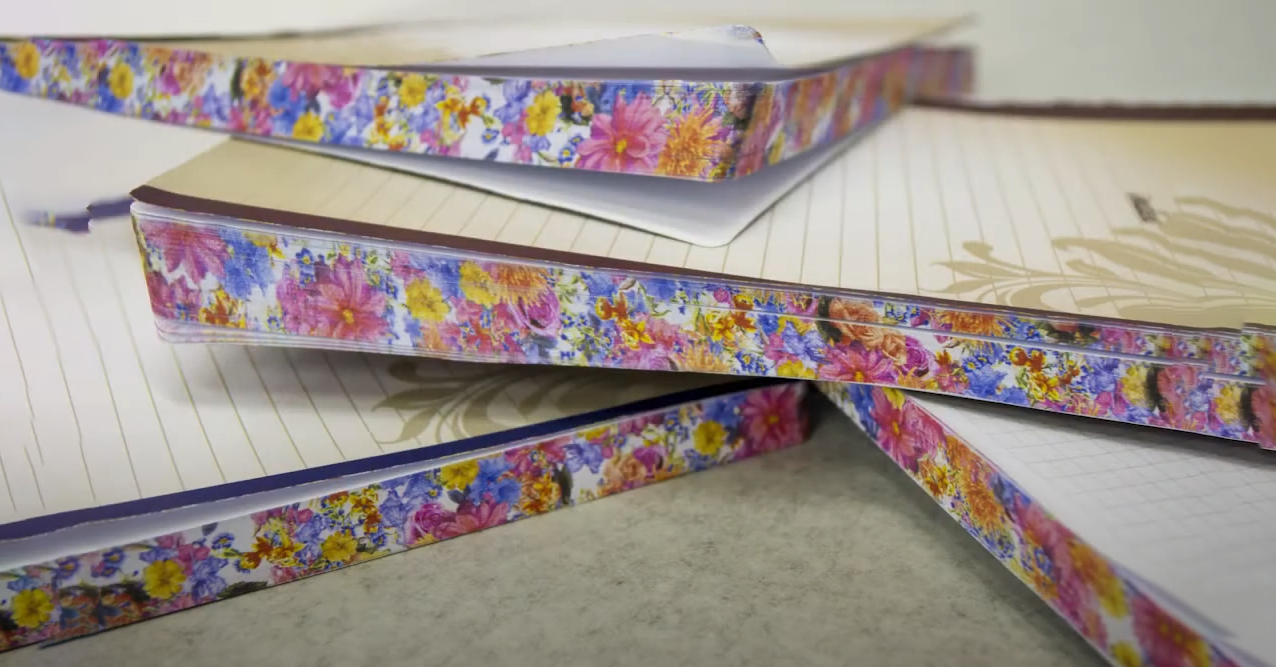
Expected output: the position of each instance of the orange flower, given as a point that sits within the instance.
(511, 282)
(692, 146)
(540, 495)
(980, 324)
(224, 311)
(1035, 361)
(843, 312)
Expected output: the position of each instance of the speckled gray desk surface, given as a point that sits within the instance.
(821, 555)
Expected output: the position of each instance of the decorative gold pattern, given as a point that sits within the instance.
(1189, 251)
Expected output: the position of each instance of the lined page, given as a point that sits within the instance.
(1095, 218)
(98, 410)
(1174, 509)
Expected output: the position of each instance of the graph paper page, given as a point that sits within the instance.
(1192, 518)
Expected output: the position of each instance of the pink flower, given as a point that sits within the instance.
(1176, 385)
(628, 140)
(470, 518)
(308, 80)
(652, 458)
(199, 252)
(538, 314)
(1265, 416)
(771, 419)
(426, 521)
(639, 424)
(1165, 641)
(1044, 531)
(904, 433)
(171, 300)
(340, 304)
(857, 364)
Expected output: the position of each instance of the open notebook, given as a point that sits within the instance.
(1155, 546)
(649, 124)
(1099, 267)
(139, 478)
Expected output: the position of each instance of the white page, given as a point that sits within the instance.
(703, 214)
(1191, 518)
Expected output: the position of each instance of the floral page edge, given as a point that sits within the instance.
(1095, 596)
(82, 595)
(214, 281)
(704, 131)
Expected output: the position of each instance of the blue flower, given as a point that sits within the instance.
(985, 381)
(206, 582)
(566, 154)
(583, 456)
(223, 541)
(23, 583)
(604, 99)
(515, 92)
(247, 266)
(806, 347)
(1014, 396)
(723, 410)
(9, 79)
(394, 510)
(490, 482)
(1101, 375)
(67, 567)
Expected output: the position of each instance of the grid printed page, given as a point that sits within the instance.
(1168, 222)
(1176, 510)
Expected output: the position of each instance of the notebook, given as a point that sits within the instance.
(649, 124)
(1112, 268)
(138, 478)
(1153, 545)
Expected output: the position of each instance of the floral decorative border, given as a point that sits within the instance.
(84, 594)
(698, 130)
(212, 281)
(1096, 597)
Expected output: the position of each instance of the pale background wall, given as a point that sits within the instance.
(1122, 49)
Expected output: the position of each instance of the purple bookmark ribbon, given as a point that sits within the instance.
(78, 221)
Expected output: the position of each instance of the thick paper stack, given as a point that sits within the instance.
(692, 216)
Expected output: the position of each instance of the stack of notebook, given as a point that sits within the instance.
(714, 212)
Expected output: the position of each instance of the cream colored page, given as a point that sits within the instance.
(98, 410)
(1177, 510)
(1170, 223)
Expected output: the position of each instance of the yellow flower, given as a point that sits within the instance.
(1135, 386)
(32, 608)
(309, 127)
(459, 475)
(1229, 404)
(121, 81)
(27, 60)
(412, 90)
(709, 437)
(477, 285)
(1095, 572)
(339, 547)
(795, 369)
(163, 579)
(542, 113)
(1126, 655)
(425, 301)
(540, 495)
(895, 396)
